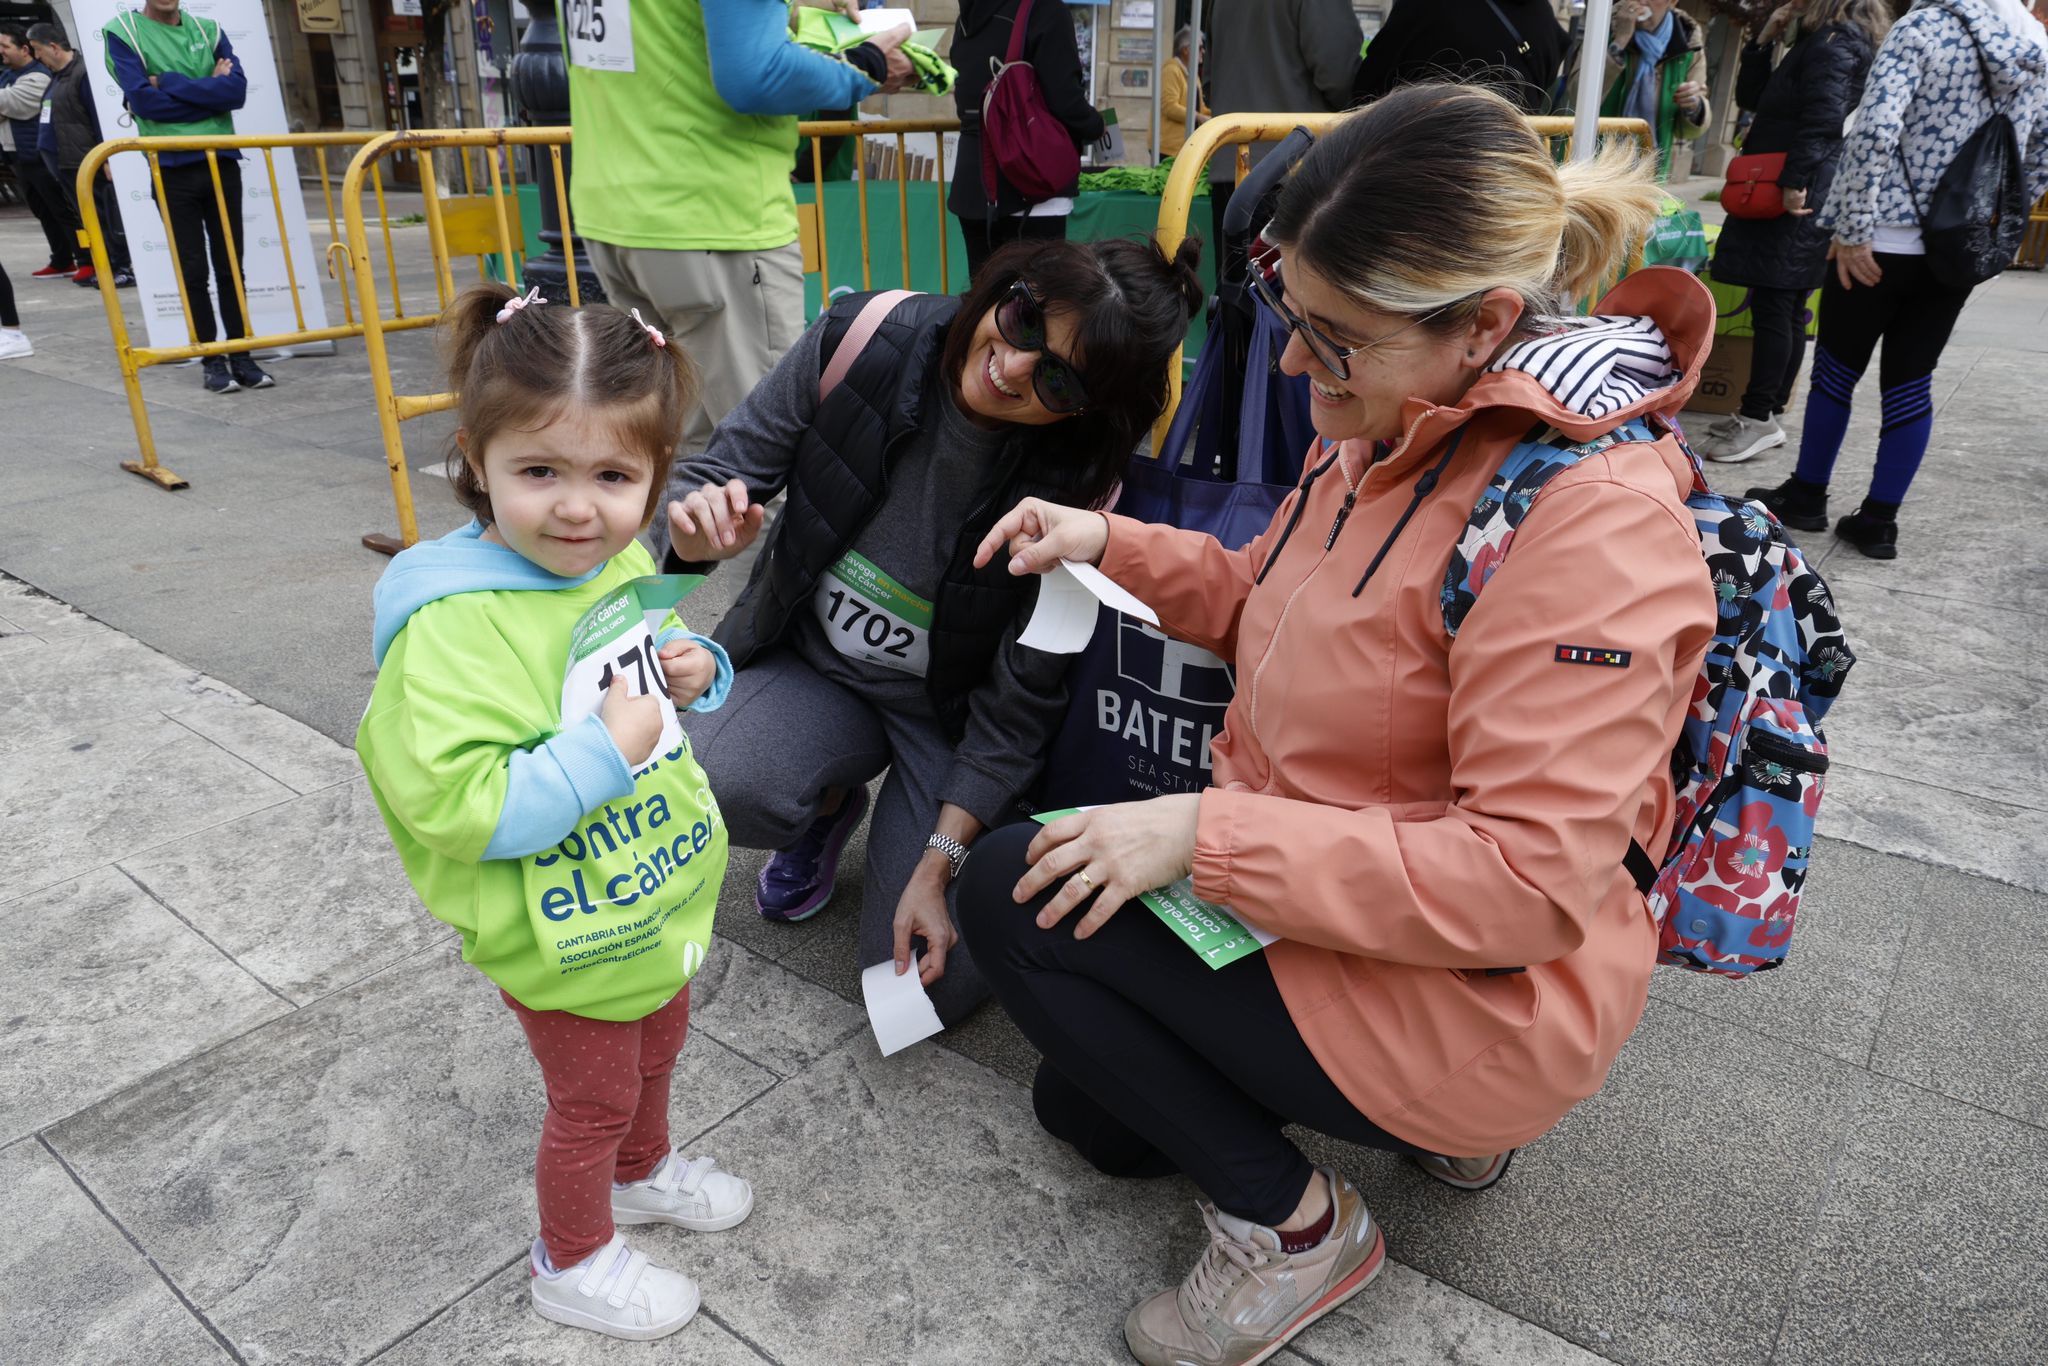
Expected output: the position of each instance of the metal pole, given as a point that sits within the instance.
(1592, 78)
(1194, 64)
(1160, 56)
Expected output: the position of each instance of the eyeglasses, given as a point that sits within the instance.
(1265, 280)
(1021, 321)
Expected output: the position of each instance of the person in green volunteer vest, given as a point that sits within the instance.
(685, 118)
(1657, 72)
(523, 747)
(181, 78)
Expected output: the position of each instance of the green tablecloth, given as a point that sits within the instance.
(1098, 216)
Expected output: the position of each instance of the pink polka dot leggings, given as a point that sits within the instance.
(607, 1116)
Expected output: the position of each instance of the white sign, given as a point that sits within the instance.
(600, 34)
(269, 289)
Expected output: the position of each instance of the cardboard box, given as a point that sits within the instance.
(1724, 377)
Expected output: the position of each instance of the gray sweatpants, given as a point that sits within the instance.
(783, 738)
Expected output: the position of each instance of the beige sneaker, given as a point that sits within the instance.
(1246, 1298)
(1467, 1173)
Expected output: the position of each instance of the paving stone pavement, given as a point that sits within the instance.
(253, 1107)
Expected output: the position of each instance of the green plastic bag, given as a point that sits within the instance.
(1678, 238)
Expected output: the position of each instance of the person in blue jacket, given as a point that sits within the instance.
(181, 77)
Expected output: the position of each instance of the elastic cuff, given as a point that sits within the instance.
(1215, 820)
(980, 795)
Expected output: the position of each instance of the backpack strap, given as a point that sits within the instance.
(1540, 457)
(1017, 31)
(865, 323)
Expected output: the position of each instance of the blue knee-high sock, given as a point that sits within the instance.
(1827, 417)
(1908, 421)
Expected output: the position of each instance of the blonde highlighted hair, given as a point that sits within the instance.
(1437, 193)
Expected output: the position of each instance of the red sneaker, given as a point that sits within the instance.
(49, 272)
(84, 276)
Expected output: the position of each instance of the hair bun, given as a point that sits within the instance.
(1186, 263)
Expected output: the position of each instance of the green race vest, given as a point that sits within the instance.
(661, 160)
(186, 47)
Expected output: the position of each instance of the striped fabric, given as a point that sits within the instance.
(1908, 402)
(1596, 366)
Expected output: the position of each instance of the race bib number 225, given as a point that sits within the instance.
(600, 34)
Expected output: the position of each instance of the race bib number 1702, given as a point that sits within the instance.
(600, 34)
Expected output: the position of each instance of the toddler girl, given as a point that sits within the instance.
(523, 746)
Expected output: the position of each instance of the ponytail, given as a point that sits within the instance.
(1609, 203)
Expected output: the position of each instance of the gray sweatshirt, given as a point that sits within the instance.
(932, 485)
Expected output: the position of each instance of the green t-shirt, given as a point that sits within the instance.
(613, 920)
(186, 47)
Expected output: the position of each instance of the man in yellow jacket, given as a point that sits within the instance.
(1173, 97)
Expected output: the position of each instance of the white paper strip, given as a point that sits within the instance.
(1069, 599)
(898, 1009)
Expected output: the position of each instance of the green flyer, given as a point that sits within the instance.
(1208, 929)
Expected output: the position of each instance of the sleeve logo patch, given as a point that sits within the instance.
(1592, 654)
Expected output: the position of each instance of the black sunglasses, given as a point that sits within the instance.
(1021, 321)
(1265, 280)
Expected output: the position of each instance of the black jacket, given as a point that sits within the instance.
(838, 483)
(1800, 108)
(1443, 39)
(981, 36)
(74, 126)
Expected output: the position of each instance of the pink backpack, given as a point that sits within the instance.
(1019, 136)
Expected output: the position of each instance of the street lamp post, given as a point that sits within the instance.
(540, 80)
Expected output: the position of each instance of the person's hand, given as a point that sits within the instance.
(1795, 203)
(921, 913)
(634, 722)
(1689, 94)
(890, 45)
(716, 522)
(152, 81)
(1780, 20)
(1111, 853)
(688, 669)
(1855, 265)
(1041, 534)
(223, 67)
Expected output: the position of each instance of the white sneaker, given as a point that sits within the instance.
(1736, 438)
(14, 343)
(616, 1291)
(690, 1193)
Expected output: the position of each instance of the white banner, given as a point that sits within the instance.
(262, 252)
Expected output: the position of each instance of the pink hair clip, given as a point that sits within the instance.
(653, 333)
(532, 296)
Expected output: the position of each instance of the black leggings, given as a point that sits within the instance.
(1153, 1060)
(8, 317)
(1779, 352)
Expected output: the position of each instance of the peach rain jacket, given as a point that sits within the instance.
(1406, 810)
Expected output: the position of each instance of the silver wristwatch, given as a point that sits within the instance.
(954, 850)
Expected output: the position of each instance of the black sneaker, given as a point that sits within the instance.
(1877, 537)
(218, 380)
(124, 279)
(1799, 506)
(249, 374)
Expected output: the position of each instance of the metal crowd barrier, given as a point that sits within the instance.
(395, 409)
(135, 359)
(1242, 130)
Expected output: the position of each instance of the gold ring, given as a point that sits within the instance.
(1086, 881)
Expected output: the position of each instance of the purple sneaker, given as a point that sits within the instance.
(797, 882)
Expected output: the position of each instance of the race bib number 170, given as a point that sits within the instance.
(600, 34)
(615, 639)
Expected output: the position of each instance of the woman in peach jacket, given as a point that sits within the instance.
(1433, 829)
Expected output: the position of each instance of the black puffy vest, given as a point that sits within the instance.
(838, 482)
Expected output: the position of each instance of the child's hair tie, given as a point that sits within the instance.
(653, 333)
(532, 296)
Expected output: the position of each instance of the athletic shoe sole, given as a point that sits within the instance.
(1764, 442)
(718, 1225)
(577, 1318)
(1361, 1276)
(828, 873)
(1491, 1176)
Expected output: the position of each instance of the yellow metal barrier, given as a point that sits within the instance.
(133, 359)
(488, 223)
(1242, 130)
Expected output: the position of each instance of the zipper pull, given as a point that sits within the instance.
(1342, 513)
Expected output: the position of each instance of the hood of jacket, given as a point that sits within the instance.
(460, 562)
(1640, 353)
(2009, 38)
(975, 15)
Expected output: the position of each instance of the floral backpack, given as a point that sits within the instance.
(1750, 762)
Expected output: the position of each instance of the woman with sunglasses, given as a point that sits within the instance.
(1434, 829)
(865, 639)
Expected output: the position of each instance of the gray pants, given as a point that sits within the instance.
(735, 312)
(783, 738)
